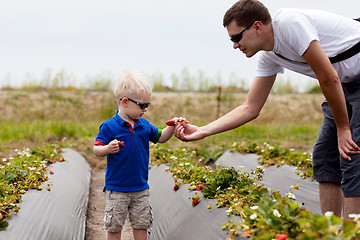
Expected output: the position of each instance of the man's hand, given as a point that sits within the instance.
(346, 145)
(188, 132)
(169, 131)
(172, 122)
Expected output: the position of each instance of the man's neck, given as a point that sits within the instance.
(268, 35)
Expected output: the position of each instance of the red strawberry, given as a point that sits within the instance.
(121, 144)
(281, 236)
(170, 122)
(247, 233)
(51, 172)
(195, 202)
(176, 187)
(200, 187)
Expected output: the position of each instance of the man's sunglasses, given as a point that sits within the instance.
(141, 105)
(237, 37)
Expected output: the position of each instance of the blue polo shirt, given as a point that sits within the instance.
(128, 170)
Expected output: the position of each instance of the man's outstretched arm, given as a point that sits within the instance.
(244, 113)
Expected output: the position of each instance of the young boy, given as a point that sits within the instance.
(124, 139)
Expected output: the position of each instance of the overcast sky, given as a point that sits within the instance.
(88, 37)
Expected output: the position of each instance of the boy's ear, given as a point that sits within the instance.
(124, 102)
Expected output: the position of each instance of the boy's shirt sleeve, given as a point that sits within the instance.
(158, 135)
(97, 142)
(155, 134)
(104, 135)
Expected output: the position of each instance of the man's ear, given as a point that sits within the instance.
(258, 27)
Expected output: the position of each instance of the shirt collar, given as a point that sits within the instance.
(122, 121)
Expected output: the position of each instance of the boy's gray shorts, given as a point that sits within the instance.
(328, 165)
(120, 204)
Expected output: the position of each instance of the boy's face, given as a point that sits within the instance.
(133, 108)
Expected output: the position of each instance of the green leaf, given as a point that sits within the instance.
(3, 224)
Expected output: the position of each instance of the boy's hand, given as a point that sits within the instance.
(113, 146)
(176, 120)
(168, 132)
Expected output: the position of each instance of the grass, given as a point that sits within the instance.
(302, 136)
(33, 118)
(13, 131)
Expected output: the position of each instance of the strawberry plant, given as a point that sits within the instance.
(264, 214)
(28, 170)
(280, 218)
(275, 155)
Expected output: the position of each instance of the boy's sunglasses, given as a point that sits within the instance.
(141, 105)
(237, 37)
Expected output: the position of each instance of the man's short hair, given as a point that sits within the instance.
(245, 12)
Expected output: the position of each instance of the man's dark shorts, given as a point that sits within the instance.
(328, 165)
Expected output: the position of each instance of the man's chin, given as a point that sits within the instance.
(249, 54)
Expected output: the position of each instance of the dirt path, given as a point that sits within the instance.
(96, 210)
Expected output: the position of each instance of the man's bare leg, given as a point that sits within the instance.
(331, 198)
(351, 206)
(140, 234)
(113, 235)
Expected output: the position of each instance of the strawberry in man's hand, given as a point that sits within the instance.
(173, 121)
(170, 122)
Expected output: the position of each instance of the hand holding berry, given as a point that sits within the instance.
(113, 146)
(175, 120)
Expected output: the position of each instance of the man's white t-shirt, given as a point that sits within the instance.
(295, 29)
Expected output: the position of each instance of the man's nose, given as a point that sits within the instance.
(236, 45)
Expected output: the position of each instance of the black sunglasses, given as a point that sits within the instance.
(141, 105)
(237, 37)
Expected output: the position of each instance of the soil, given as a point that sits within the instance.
(96, 210)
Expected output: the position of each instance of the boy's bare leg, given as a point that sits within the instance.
(351, 206)
(331, 198)
(113, 235)
(140, 234)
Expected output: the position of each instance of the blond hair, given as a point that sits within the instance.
(132, 85)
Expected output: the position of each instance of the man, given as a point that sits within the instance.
(302, 41)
